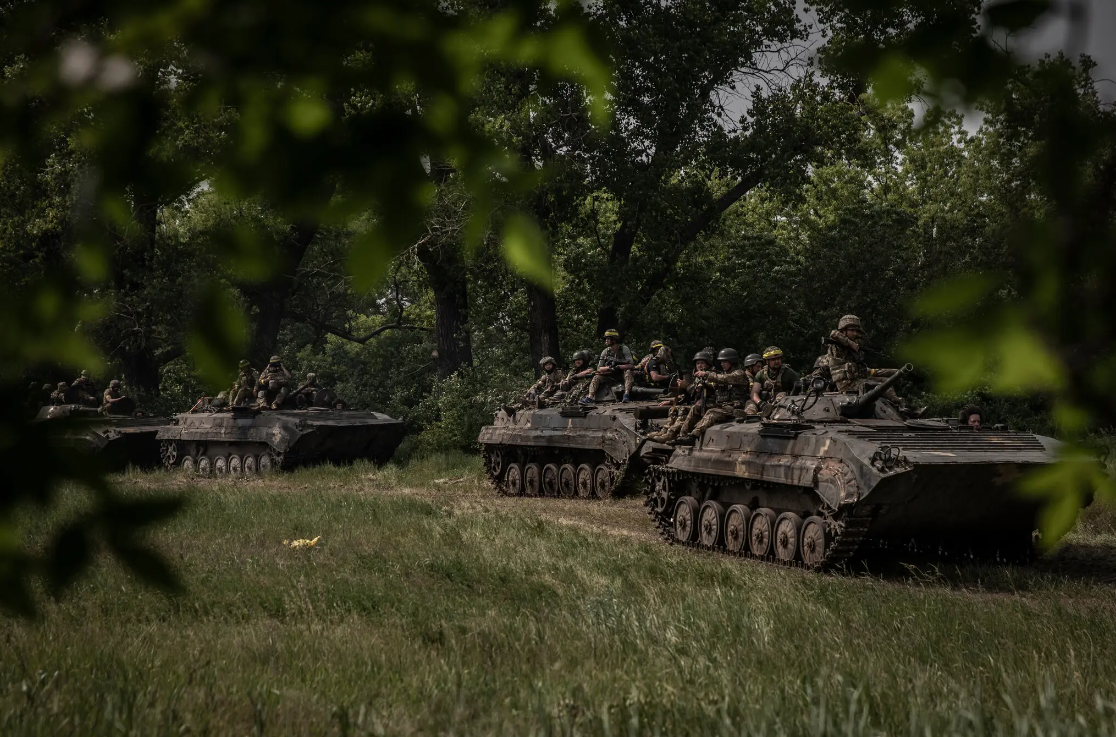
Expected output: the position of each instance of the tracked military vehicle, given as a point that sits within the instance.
(828, 476)
(117, 440)
(248, 441)
(588, 451)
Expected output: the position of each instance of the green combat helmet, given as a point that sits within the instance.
(612, 333)
(545, 360)
(275, 359)
(728, 354)
(703, 355)
(585, 356)
(244, 363)
(752, 359)
(114, 384)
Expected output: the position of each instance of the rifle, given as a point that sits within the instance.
(827, 341)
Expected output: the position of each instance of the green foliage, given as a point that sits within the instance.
(456, 408)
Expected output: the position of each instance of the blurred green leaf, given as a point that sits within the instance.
(1024, 363)
(308, 116)
(147, 564)
(70, 556)
(525, 250)
(218, 338)
(955, 295)
(92, 262)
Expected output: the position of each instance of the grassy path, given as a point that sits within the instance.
(435, 607)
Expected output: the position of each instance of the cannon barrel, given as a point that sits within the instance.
(875, 392)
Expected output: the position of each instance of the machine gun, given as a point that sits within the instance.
(875, 392)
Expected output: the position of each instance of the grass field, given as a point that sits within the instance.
(434, 607)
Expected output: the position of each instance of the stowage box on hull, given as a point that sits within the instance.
(249, 441)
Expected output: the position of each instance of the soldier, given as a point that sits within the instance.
(775, 380)
(970, 416)
(220, 401)
(654, 370)
(688, 403)
(548, 383)
(615, 359)
(580, 370)
(307, 391)
(274, 382)
(112, 399)
(61, 395)
(731, 388)
(83, 390)
(244, 388)
(845, 358)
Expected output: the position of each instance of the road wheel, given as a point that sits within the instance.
(660, 491)
(567, 480)
(585, 481)
(168, 453)
(787, 532)
(550, 479)
(188, 465)
(513, 481)
(236, 466)
(685, 516)
(265, 463)
(220, 466)
(710, 522)
(495, 462)
(814, 541)
(602, 479)
(736, 527)
(205, 466)
(761, 532)
(249, 465)
(532, 479)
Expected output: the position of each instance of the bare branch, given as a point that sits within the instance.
(346, 335)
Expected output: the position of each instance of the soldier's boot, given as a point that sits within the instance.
(685, 440)
(666, 435)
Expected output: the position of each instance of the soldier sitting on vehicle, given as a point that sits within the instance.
(581, 370)
(274, 385)
(244, 388)
(61, 394)
(730, 385)
(654, 370)
(548, 382)
(845, 357)
(83, 390)
(306, 393)
(774, 382)
(688, 402)
(615, 359)
(116, 402)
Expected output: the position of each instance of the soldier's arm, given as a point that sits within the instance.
(840, 338)
(756, 385)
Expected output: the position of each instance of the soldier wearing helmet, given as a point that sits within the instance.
(689, 401)
(845, 358)
(616, 358)
(306, 392)
(731, 385)
(548, 382)
(83, 391)
(61, 394)
(654, 370)
(244, 388)
(113, 400)
(775, 381)
(582, 369)
(274, 384)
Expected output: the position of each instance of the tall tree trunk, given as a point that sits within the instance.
(133, 264)
(619, 256)
(445, 271)
(543, 318)
(271, 298)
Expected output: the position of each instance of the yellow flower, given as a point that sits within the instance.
(303, 543)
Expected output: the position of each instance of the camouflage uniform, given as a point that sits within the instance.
(731, 393)
(659, 361)
(612, 355)
(689, 405)
(83, 390)
(548, 383)
(307, 391)
(586, 358)
(275, 383)
(111, 397)
(845, 360)
(61, 394)
(776, 383)
(244, 388)
(753, 366)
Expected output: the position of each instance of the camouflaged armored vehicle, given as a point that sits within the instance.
(588, 451)
(117, 440)
(247, 441)
(827, 476)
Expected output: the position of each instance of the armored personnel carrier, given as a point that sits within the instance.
(117, 440)
(826, 476)
(248, 441)
(589, 451)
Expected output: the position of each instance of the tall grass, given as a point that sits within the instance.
(432, 606)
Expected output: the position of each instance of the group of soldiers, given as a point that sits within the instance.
(82, 390)
(271, 389)
(720, 387)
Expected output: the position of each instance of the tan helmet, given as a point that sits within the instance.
(275, 359)
(656, 345)
(311, 376)
(547, 359)
(114, 384)
(849, 321)
(772, 351)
